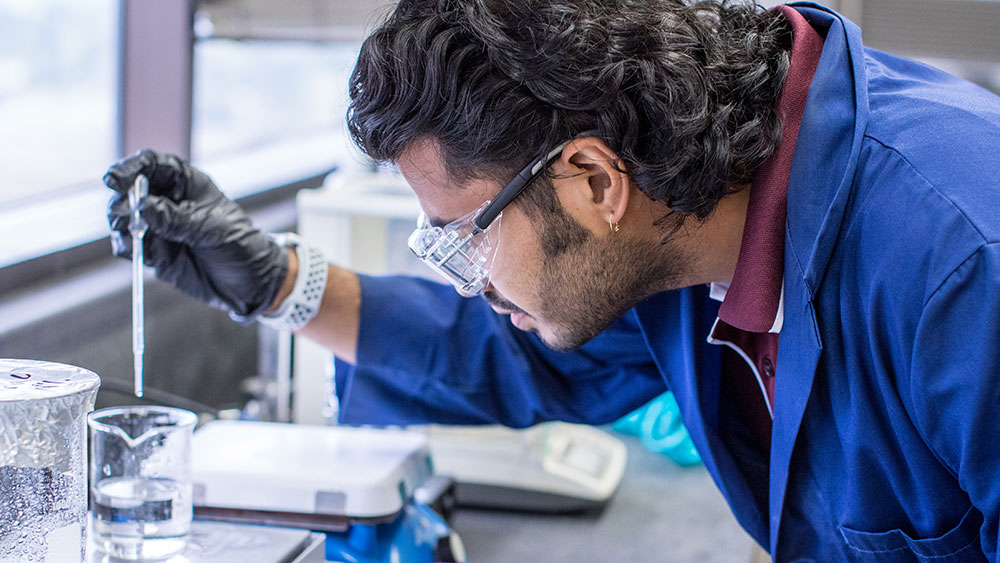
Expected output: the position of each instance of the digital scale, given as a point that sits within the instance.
(552, 467)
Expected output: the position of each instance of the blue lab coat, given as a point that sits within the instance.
(886, 436)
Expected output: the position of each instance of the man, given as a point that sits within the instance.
(842, 203)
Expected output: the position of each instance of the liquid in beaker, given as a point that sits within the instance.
(140, 471)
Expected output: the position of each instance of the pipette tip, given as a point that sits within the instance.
(138, 375)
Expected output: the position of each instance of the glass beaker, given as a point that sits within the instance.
(43, 463)
(140, 480)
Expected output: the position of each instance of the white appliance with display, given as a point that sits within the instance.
(361, 220)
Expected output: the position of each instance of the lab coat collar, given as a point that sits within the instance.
(819, 192)
(830, 137)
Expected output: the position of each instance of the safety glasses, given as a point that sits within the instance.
(463, 250)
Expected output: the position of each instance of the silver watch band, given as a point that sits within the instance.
(303, 303)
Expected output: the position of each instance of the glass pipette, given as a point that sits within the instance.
(137, 229)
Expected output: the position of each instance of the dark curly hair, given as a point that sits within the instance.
(684, 93)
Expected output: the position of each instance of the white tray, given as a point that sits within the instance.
(338, 471)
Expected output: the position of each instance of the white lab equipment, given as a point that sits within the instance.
(551, 467)
(371, 492)
(363, 219)
(43, 460)
(306, 473)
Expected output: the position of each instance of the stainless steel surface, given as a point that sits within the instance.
(214, 542)
(315, 552)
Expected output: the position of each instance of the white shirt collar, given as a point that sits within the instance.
(718, 290)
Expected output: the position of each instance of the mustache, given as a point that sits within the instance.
(501, 303)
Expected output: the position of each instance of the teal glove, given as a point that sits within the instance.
(658, 425)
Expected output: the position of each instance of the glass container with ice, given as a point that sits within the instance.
(43, 460)
(140, 477)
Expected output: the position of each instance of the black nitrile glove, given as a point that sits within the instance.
(198, 240)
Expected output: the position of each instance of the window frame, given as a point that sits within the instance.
(154, 109)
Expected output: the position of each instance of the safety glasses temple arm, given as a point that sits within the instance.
(515, 187)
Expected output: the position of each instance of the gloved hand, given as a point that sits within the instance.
(659, 426)
(198, 240)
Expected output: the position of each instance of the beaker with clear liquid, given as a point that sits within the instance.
(140, 479)
(43, 460)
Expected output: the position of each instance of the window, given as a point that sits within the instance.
(269, 109)
(249, 93)
(57, 95)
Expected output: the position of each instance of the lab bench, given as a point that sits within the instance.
(220, 542)
(661, 512)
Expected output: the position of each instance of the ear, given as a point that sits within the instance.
(600, 190)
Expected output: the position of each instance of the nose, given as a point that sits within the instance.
(459, 291)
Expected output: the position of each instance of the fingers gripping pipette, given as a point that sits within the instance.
(137, 228)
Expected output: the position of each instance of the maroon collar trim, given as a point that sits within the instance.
(752, 301)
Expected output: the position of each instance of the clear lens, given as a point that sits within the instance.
(458, 251)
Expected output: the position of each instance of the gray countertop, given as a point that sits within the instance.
(661, 512)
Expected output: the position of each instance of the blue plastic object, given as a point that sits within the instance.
(412, 537)
(659, 427)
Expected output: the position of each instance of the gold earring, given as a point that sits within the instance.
(612, 224)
